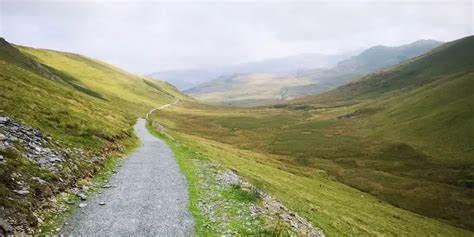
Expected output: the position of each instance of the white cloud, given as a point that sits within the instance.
(146, 36)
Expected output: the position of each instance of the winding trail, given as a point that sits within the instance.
(148, 196)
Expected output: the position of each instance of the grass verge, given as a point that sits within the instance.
(217, 208)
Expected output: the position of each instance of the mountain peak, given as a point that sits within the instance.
(3, 41)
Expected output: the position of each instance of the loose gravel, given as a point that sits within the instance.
(147, 197)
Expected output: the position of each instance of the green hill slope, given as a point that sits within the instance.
(427, 100)
(426, 103)
(77, 103)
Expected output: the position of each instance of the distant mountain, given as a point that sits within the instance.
(245, 90)
(370, 60)
(186, 79)
(241, 89)
(451, 60)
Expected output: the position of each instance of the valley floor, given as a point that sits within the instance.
(272, 149)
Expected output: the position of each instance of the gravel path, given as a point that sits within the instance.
(148, 197)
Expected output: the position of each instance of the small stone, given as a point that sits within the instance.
(6, 227)
(3, 119)
(70, 202)
(21, 192)
(39, 180)
(81, 205)
(85, 188)
(2, 137)
(82, 196)
(13, 139)
(74, 191)
(107, 186)
(102, 203)
(38, 149)
(54, 159)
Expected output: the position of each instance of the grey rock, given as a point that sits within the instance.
(70, 202)
(85, 188)
(3, 137)
(74, 191)
(229, 178)
(21, 191)
(33, 144)
(38, 149)
(102, 203)
(54, 159)
(82, 196)
(5, 226)
(13, 139)
(3, 119)
(39, 180)
(82, 205)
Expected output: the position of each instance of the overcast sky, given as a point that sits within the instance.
(150, 36)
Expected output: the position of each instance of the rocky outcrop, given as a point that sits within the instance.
(34, 168)
(271, 207)
(36, 147)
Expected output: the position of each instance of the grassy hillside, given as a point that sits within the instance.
(77, 101)
(402, 136)
(427, 101)
(75, 97)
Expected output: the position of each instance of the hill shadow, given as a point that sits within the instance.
(71, 81)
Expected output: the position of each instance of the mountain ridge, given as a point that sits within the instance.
(186, 79)
(306, 82)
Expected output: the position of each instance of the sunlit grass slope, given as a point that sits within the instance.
(110, 83)
(80, 99)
